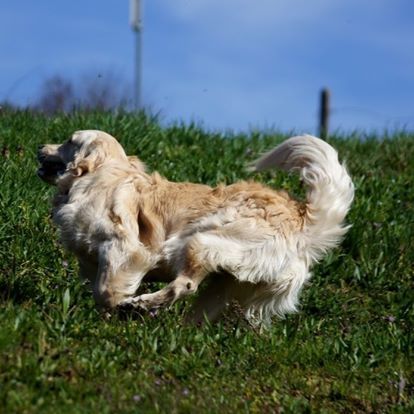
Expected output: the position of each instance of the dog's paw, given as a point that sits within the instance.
(125, 307)
(134, 303)
(127, 310)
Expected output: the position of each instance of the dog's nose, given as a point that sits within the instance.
(40, 155)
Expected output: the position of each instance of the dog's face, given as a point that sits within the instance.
(84, 152)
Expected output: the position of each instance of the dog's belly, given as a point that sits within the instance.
(161, 273)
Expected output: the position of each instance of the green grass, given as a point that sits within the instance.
(349, 349)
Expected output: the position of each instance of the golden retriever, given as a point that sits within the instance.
(124, 224)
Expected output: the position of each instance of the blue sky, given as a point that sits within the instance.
(228, 64)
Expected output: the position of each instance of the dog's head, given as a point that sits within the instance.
(83, 153)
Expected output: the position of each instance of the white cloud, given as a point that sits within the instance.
(231, 41)
(230, 19)
(246, 11)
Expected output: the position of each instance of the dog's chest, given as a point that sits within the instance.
(83, 225)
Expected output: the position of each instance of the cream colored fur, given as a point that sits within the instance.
(124, 224)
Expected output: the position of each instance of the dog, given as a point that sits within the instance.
(125, 226)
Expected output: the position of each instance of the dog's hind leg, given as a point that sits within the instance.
(194, 258)
(192, 270)
(184, 284)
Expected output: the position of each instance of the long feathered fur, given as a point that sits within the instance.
(330, 190)
(124, 224)
(271, 274)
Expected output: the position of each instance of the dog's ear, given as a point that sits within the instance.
(87, 160)
(136, 163)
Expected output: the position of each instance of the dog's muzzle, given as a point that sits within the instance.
(50, 167)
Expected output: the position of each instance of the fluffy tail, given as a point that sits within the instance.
(330, 189)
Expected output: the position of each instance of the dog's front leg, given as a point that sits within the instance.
(120, 272)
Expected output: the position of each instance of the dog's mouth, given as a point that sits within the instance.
(50, 170)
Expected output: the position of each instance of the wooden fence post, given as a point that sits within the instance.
(324, 113)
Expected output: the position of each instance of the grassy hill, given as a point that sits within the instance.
(349, 349)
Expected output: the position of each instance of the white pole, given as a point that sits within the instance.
(136, 25)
